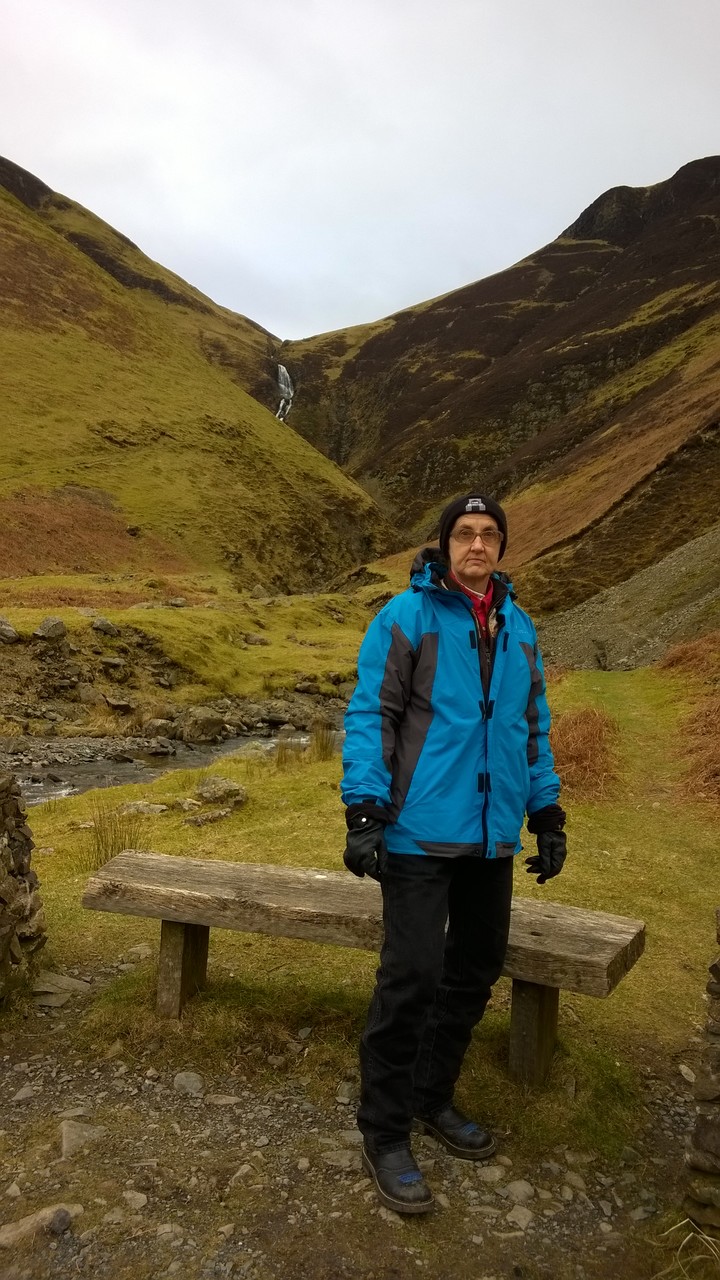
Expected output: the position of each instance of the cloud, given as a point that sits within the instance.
(318, 163)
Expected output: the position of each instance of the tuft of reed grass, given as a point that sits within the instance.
(50, 808)
(583, 743)
(323, 743)
(697, 1254)
(98, 724)
(287, 754)
(111, 832)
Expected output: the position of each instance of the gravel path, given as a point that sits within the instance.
(200, 1176)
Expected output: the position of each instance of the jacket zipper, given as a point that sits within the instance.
(485, 676)
(485, 661)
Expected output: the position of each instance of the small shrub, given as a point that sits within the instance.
(583, 744)
(111, 832)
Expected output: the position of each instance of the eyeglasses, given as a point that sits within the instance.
(489, 537)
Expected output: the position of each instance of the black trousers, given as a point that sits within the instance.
(432, 985)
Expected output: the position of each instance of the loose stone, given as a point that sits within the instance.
(520, 1216)
(189, 1083)
(520, 1191)
(74, 1136)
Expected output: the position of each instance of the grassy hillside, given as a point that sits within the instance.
(129, 437)
(580, 385)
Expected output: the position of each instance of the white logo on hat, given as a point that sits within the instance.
(475, 504)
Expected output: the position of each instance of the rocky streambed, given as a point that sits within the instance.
(48, 768)
(187, 738)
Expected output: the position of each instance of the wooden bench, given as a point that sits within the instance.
(551, 947)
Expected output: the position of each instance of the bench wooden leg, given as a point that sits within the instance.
(533, 1030)
(182, 967)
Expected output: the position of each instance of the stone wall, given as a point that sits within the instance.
(703, 1152)
(22, 922)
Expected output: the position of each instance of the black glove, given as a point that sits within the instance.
(365, 839)
(549, 859)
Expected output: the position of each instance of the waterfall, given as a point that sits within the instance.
(287, 392)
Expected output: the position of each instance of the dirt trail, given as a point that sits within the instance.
(263, 1182)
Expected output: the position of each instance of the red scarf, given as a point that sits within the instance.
(481, 604)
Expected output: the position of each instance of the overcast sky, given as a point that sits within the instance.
(319, 163)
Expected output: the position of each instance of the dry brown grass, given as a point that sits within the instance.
(555, 673)
(583, 744)
(702, 733)
(99, 723)
(699, 660)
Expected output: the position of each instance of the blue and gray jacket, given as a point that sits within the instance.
(448, 734)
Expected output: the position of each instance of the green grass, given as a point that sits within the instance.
(175, 439)
(641, 852)
(624, 386)
(310, 636)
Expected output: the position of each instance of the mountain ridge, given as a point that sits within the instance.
(580, 385)
(119, 378)
(572, 378)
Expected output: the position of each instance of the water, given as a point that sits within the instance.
(287, 391)
(83, 775)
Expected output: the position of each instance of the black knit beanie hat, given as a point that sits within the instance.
(472, 504)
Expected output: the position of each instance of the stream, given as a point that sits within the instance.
(43, 776)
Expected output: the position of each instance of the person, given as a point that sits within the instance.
(446, 750)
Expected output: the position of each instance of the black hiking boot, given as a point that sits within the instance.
(462, 1137)
(398, 1181)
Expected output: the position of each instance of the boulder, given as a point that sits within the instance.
(221, 790)
(8, 634)
(160, 747)
(122, 705)
(50, 629)
(702, 1161)
(704, 1215)
(307, 686)
(158, 728)
(200, 724)
(105, 626)
(706, 1136)
(89, 695)
(707, 1085)
(706, 1190)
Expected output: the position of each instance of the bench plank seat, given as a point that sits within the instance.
(551, 946)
